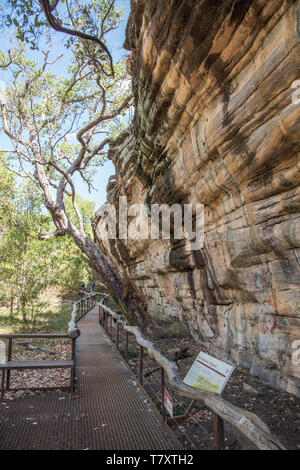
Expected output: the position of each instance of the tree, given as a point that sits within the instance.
(25, 267)
(40, 115)
(28, 264)
(88, 20)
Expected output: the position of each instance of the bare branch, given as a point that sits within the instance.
(48, 236)
(53, 4)
(69, 180)
(102, 118)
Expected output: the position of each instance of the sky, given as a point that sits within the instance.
(116, 40)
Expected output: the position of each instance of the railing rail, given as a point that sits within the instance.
(245, 421)
(34, 335)
(80, 308)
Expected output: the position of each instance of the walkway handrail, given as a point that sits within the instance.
(245, 421)
(80, 308)
(34, 335)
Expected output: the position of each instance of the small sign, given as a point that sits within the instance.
(208, 373)
(168, 401)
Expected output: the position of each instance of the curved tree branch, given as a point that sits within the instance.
(54, 23)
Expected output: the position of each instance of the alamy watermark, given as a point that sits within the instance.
(159, 221)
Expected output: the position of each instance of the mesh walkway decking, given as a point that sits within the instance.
(108, 413)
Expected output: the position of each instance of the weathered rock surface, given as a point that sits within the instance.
(215, 124)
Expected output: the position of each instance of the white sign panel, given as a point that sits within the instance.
(208, 373)
(168, 401)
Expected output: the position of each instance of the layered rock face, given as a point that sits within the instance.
(217, 123)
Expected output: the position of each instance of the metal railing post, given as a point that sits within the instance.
(126, 346)
(162, 390)
(2, 385)
(117, 340)
(219, 432)
(141, 365)
(72, 384)
(9, 356)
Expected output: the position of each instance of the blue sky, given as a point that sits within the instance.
(116, 40)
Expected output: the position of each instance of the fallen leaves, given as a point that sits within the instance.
(57, 349)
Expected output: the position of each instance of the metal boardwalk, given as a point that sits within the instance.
(108, 412)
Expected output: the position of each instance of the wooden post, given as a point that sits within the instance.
(126, 346)
(219, 432)
(72, 384)
(9, 356)
(141, 365)
(162, 389)
(117, 340)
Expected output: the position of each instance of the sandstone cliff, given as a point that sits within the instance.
(215, 124)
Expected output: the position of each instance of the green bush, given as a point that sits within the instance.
(132, 351)
(179, 328)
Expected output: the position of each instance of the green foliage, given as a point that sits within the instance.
(27, 17)
(59, 128)
(176, 327)
(86, 16)
(57, 107)
(110, 303)
(179, 328)
(159, 315)
(132, 351)
(28, 264)
(48, 318)
(7, 191)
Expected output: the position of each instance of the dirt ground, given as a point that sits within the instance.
(280, 410)
(58, 349)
